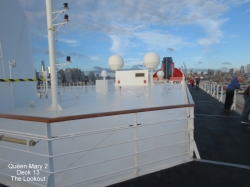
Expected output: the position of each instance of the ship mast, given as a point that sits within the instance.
(51, 43)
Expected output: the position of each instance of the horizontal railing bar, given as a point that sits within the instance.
(64, 154)
(60, 171)
(223, 163)
(10, 148)
(119, 143)
(127, 169)
(14, 133)
(112, 129)
(94, 115)
(159, 122)
(22, 134)
(77, 167)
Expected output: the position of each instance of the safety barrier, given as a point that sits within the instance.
(21, 80)
(99, 148)
(218, 91)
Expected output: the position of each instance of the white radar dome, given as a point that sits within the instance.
(151, 60)
(104, 73)
(160, 74)
(115, 62)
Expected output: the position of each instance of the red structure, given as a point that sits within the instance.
(176, 74)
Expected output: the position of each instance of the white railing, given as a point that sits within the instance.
(218, 91)
(99, 149)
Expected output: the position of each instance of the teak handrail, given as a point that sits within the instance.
(93, 115)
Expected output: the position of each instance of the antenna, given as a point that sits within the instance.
(1, 56)
(12, 65)
(52, 28)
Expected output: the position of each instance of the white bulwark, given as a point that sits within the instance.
(131, 78)
(15, 46)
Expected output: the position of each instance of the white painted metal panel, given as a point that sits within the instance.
(15, 45)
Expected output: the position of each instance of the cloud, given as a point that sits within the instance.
(199, 62)
(133, 22)
(59, 54)
(40, 51)
(247, 11)
(157, 40)
(212, 28)
(94, 58)
(80, 55)
(137, 67)
(226, 63)
(170, 49)
(99, 69)
(119, 44)
(67, 41)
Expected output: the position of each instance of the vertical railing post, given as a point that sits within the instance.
(192, 144)
(221, 93)
(217, 90)
(234, 101)
(213, 89)
(210, 88)
(135, 145)
(51, 179)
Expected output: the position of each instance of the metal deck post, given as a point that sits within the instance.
(192, 144)
(135, 144)
(51, 179)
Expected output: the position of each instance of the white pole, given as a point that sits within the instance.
(52, 59)
(234, 101)
(105, 89)
(135, 145)
(51, 179)
(151, 77)
(217, 91)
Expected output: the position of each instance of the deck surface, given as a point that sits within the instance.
(219, 137)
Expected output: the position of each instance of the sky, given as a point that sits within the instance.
(204, 34)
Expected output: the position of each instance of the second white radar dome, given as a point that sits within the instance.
(115, 62)
(151, 60)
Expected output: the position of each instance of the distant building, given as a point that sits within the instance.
(91, 76)
(202, 73)
(68, 76)
(242, 69)
(42, 66)
(237, 72)
(210, 72)
(83, 76)
(231, 71)
(248, 69)
(76, 74)
(219, 73)
(61, 76)
(36, 74)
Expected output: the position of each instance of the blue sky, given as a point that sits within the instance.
(203, 34)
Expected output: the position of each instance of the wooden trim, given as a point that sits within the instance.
(94, 115)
